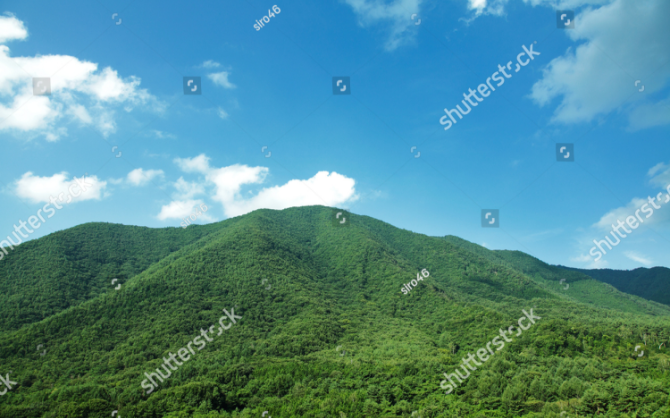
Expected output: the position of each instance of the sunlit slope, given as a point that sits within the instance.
(326, 329)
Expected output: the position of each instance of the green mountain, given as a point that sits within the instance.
(325, 330)
(652, 284)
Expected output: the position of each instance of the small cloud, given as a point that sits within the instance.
(40, 189)
(398, 13)
(11, 28)
(178, 209)
(660, 175)
(221, 79)
(209, 64)
(638, 258)
(140, 177)
(199, 164)
(161, 134)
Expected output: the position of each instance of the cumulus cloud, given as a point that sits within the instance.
(79, 91)
(620, 41)
(141, 177)
(40, 189)
(221, 79)
(324, 188)
(11, 28)
(397, 13)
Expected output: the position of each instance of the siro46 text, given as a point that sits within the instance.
(406, 288)
(260, 24)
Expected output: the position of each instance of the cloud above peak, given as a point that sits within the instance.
(225, 186)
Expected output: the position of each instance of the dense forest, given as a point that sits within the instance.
(325, 330)
(649, 283)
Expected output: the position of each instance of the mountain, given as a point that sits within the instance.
(652, 283)
(297, 314)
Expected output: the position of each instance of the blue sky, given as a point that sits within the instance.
(117, 90)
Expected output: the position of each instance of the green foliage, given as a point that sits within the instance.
(330, 287)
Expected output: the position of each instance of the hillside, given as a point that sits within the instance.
(649, 283)
(325, 330)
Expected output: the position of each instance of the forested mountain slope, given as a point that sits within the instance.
(649, 283)
(46, 276)
(327, 332)
(574, 284)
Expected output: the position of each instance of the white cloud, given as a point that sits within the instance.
(329, 189)
(79, 91)
(178, 209)
(398, 13)
(622, 41)
(187, 190)
(11, 28)
(638, 258)
(660, 175)
(486, 7)
(209, 64)
(222, 113)
(221, 79)
(199, 164)
(40, 189)
(161, 134)
(140, 177)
